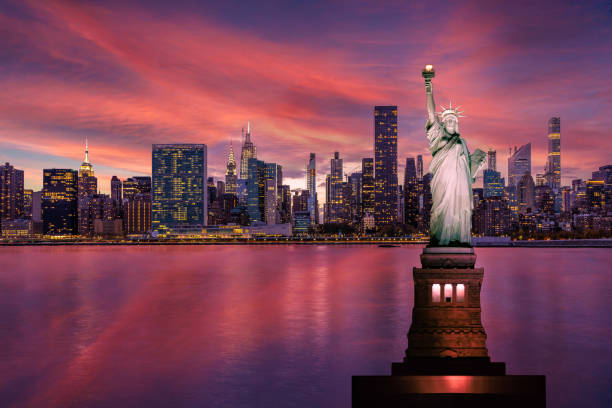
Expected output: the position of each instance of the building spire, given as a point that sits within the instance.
(86, 151)
(231, 158)
(247, 138)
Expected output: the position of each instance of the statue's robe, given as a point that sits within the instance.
(453, 171)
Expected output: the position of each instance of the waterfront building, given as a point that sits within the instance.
(116, 194)
(553, 164)
(311, 186)
(335, 191)
(137, 214)
(385, 164)
(525, 192)
(87, 187)
(255, 189)
(419, 167)
(425, 203)
(519, 163)
(367, 185)
(249, 151)
(36, 206)
(300, 200)
(411, 194)
(493, 183)
(60, 202)
(27, 203)
(284, 195)
(179, 187)
(136, 185)
(544, 199)
(595, 196)
(271, 203)
(301, 222)
(566, 199)
(11, 192)
(355, 181)
(17, 229)
(492, 160)
(231, 177)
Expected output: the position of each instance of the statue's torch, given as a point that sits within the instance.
(428, 73)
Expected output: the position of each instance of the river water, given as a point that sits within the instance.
(276, 325)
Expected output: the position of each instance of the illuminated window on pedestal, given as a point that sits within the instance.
(460, 292)
(448, 292)
(435, 292)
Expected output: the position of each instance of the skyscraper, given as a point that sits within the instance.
(335, 191)
(311, 186)
(525, 192)
(11, 192)
(367, 186)
(553, 164)
(255, 189)
(87, 187)
(271, 174)
(116, 189)
(248, 151)
(230, 173)
(179, 187)
(519, 163)
(60, 202)
(419, 168)
(385, 164)
(134, 186)
(492, 159)
(493, 183)
(411, 194)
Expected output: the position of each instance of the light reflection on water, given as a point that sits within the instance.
(275, 325)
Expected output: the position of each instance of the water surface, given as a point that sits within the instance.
(242, 326)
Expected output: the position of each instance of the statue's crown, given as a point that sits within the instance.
(450, 111)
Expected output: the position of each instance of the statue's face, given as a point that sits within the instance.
(450, 123)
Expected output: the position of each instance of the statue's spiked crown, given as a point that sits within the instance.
(450, 111)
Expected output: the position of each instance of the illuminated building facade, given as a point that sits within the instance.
(525, 192)
(311, 186)
(411, 194)
(137, 214)
(367, 186)
(230, 173)
(334, 191)
(255, 189)
(11, 192)
(493, 183)
(179, 187)
(87, 187)
(249, 151)
(60, 202)
(519, 163)
(553, 164)
(134, 186)
(385, 164)
(419, 167)
(27, 203)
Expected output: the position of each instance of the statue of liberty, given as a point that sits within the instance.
(453, 171)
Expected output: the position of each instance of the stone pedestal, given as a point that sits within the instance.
(446, 362)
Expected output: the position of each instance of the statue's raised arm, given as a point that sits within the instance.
(428, 74)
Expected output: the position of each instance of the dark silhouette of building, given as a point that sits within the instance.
(367, 186)
(411, 194)
(11, 192)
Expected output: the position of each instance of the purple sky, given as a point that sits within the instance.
(306, 74)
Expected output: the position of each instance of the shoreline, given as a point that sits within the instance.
(577, 243)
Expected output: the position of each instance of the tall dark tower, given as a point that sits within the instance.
(419, 167)
(60, 202)
(553, 164)
(367, 185)
(87, 187)
(411, 194)
(385, 164)
(249, 151)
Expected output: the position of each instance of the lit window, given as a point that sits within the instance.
(435, 292)
(448, 292)
(460, 292)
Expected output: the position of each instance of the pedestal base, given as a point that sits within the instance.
(449, 391)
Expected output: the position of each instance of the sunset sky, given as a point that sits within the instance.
(306, 74)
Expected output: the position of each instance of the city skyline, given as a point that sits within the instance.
(126, 86)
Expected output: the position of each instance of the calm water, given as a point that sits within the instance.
(271, 326)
